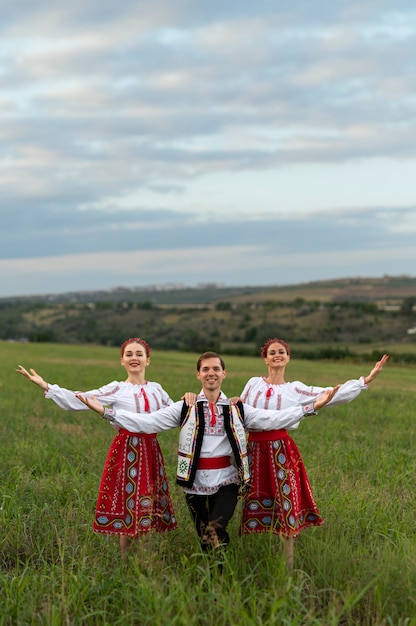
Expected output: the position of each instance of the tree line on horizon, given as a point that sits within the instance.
(320, 329)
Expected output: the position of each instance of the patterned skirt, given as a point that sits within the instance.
(134, 493)
(280, 498)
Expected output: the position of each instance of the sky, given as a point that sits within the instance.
(183, 142)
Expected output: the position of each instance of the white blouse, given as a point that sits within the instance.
(258, 393)
(117, 394)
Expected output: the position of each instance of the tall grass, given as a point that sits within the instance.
(357, 569)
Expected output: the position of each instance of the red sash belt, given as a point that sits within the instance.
(214, 462)
(122, 431)
(267, 435)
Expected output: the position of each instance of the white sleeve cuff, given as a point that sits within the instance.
(109, 414)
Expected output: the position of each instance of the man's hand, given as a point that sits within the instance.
(92, 403)
(323, 399)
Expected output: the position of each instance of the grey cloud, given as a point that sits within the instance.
(61, 232)
(349, 243)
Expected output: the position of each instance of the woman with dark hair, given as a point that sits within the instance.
(280, 498)
(134, 496)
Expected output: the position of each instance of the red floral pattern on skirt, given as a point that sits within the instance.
(134, 492)
(280, 498)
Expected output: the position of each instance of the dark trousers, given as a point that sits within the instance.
(211, 514)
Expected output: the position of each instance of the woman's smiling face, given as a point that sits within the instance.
(135, 357)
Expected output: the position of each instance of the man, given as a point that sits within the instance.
(212, 453)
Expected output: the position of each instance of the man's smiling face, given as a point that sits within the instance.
(211, 374)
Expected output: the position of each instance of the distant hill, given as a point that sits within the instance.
(324, 319)
(386, 288)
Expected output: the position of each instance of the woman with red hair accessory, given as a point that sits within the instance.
(279, 499)
(134, 496)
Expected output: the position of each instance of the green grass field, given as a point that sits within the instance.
(357, 569)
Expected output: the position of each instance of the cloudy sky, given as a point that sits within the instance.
(191, 141)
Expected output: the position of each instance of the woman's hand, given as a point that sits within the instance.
(376, 369)
(189, 397)
(33, 376)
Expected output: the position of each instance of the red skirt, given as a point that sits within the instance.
(280, 498)
(134, 492)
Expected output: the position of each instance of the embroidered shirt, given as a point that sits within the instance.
(261, 394)
(117, 394)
